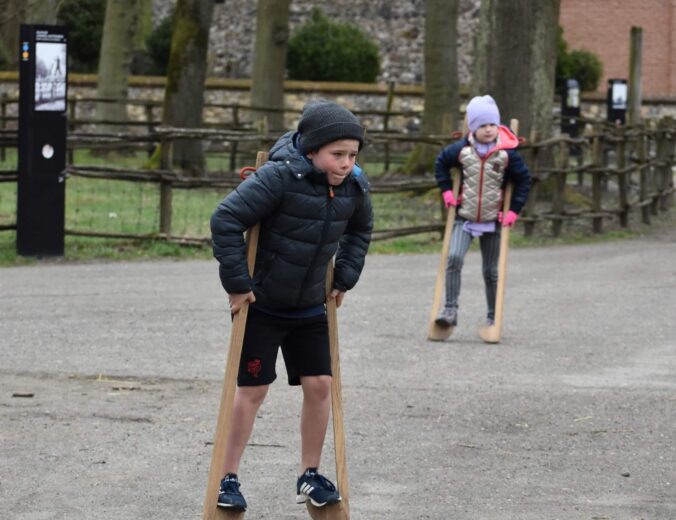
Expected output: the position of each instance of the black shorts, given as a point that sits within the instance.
(304, 342)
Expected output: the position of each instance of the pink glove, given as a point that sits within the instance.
(449, 199)
(509, 219)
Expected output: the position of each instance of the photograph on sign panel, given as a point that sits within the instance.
(619, 94)
(50, 76)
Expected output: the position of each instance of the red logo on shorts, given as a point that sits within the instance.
(254, 367)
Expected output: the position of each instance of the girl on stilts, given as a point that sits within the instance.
(487, 159)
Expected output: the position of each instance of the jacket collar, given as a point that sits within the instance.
(285, 151)
(506, 140)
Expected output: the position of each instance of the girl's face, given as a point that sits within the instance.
(336, 159)
(486, 133)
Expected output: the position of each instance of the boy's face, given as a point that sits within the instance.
(336, 159)
(486, 133)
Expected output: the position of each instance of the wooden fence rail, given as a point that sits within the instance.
(608, 173)
(240, 116)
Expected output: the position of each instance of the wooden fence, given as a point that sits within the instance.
(231, 116)
(605, 175)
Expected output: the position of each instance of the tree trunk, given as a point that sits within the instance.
(267, 85)
(145, 24)
(141, 61)
(119, 31)
(186, 72)
(441, 80)
(15, 12)
(515, 61)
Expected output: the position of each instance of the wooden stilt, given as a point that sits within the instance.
(223, 425)
(341, 510)
(493, 333)
(438, 332)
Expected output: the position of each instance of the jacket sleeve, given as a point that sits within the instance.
(447, 159)
(517, 172)
(252, 201)
(353, 246)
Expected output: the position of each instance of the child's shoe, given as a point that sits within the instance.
(230, 496)
(316, 488)
(448, 317)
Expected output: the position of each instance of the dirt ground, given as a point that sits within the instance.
(110, 380)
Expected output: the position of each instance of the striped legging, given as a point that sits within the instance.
(490, 251)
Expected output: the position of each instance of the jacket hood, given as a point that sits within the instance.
(284, 150)
(506, 139)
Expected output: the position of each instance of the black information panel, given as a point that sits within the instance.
(570, 108)
(43, 85)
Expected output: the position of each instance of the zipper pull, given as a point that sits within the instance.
(331, 194)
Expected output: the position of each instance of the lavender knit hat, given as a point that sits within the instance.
(482, 110)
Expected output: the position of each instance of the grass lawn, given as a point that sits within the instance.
(125, 207)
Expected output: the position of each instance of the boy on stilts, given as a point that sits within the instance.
(487, 159)
(312, 202)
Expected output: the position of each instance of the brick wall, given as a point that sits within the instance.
(603, 27)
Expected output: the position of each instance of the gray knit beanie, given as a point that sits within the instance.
(323, 122)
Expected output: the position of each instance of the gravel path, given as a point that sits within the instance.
(572, 416)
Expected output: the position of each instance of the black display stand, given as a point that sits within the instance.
(570, 108)
(43, 86)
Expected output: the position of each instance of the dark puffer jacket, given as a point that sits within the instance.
(302, 227)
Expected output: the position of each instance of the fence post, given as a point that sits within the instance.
(234, 145)
(597, 163)
(386, 122)
(148, 107)
(665, 151)
(644, 175)
(530, 207)
(3, 115)
(620, 160)
(559, 195)
(635, 66)
(165, 186)
(72, 114)
(671, 142)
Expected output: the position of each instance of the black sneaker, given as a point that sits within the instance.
(316, 488)
(230, 496)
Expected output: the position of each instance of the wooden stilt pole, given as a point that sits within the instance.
(435, 331)
(223, 425)
(341, 510)
(493, 333)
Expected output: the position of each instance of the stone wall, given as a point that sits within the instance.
(405, 100)
(396, 25)
(398, 28)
